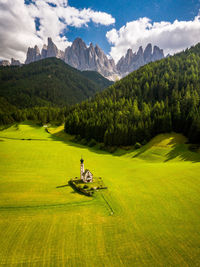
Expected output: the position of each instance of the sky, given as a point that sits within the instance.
(115, 26)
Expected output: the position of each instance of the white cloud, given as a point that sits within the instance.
(172, 37)
(17, 24)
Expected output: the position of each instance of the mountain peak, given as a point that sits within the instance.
(129, 52)
(98, 50)
(15, 62)
(140, 51)
(157, 53)
(78, 42)
(49, 40)
(148, 53)
(52, 50)
(79, 56)
(33, 54)
(134, 61)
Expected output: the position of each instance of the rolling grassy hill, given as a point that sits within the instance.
(154, 192)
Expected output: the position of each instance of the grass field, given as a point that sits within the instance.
(149, 216)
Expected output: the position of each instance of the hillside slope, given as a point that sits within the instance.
(160, 97)
(47, 82)
(97, 78)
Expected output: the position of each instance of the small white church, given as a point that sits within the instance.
(86, 175)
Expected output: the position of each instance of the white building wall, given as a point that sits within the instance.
(82, 171)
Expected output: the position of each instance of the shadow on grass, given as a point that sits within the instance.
(75, 190)
(177, 150)
(30, 123)
(60, 186)
(154, 142)
(68, 140)
(182, 152)
(23, 139)
(142, 150)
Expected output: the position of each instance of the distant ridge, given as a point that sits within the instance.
(92, 58)
(83, 57)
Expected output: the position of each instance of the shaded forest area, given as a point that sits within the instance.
(44, 90)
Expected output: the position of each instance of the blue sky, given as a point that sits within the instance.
(115, 26)
(128, 10)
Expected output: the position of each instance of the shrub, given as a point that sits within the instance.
(83, 141)
(92, 143)
(194, 147)
(112, 149)
(137, 145)
(78, 138)
(144, 142)
(102, 146)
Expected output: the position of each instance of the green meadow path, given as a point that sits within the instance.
(149, 216)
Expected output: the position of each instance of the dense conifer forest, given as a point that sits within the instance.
(27, 91)
(160, 97)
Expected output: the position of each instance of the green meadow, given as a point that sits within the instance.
(148, 216)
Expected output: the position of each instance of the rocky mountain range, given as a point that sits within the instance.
(83, 57)
(90, 58)
(50, 50)
(78, 55)
(13, 62)
(132, 61)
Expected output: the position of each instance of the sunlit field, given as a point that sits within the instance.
(148, 216)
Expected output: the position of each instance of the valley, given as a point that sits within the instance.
(99, 133)
(153, 191)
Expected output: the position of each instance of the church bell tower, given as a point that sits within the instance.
(82, 168)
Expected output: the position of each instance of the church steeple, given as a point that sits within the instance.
(82, 168)
(85, 175)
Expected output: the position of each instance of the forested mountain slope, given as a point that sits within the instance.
(160, 97)
(42, 91)
(47, 82)
(96, 77)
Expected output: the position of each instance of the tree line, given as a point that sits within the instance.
(41, 115)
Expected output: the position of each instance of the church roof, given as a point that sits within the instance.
(86, 170)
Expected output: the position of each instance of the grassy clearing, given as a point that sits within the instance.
(154, 193)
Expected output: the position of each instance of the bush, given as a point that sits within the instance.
(92, 143)
(110, 149)
(83, 141)
(102, 146)
(85, 186)
(78, 138)
(144, 142)
(137, 145)
(194, 147)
